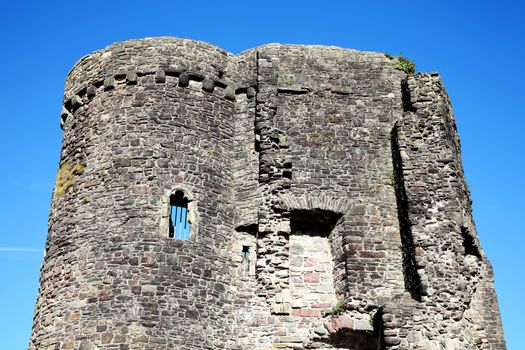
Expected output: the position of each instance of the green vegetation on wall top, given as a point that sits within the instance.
(402, 63)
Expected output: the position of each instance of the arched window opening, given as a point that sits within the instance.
(179, 217)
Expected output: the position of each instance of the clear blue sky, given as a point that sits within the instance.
(478, 48)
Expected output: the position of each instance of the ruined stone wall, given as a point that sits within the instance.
(325, 152)
(446, 270)
(326, 196)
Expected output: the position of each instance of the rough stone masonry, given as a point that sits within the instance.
(324, 189)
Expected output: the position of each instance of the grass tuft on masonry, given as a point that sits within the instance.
(402, 63)
(339, 307)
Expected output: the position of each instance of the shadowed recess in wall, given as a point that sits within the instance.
(412, 279)
(314, 222)
(469, 243)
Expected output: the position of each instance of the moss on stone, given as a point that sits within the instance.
(66, 177)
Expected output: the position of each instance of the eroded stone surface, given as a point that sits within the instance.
(327, 199)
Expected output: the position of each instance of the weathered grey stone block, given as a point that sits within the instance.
(160, 76)
(250, 92)
(208, 85)
(229, 93)
(86, 345)
(131, 78)
(109, 83)
(91, 91)
(184, 79)
(76, 102)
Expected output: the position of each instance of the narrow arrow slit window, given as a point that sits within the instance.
(179, 217)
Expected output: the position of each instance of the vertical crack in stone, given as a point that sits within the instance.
(411, 276)
(257, 149)
(405, 96)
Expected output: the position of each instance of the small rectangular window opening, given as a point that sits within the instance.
(179, 221)
(245, 251)
(245, 260)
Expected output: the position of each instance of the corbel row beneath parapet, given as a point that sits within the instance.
(209, 85)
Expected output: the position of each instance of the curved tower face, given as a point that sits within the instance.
(143, 120)
(290, 197)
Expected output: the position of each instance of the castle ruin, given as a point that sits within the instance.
(289, 197)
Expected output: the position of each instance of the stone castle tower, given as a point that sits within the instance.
(289, 197)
